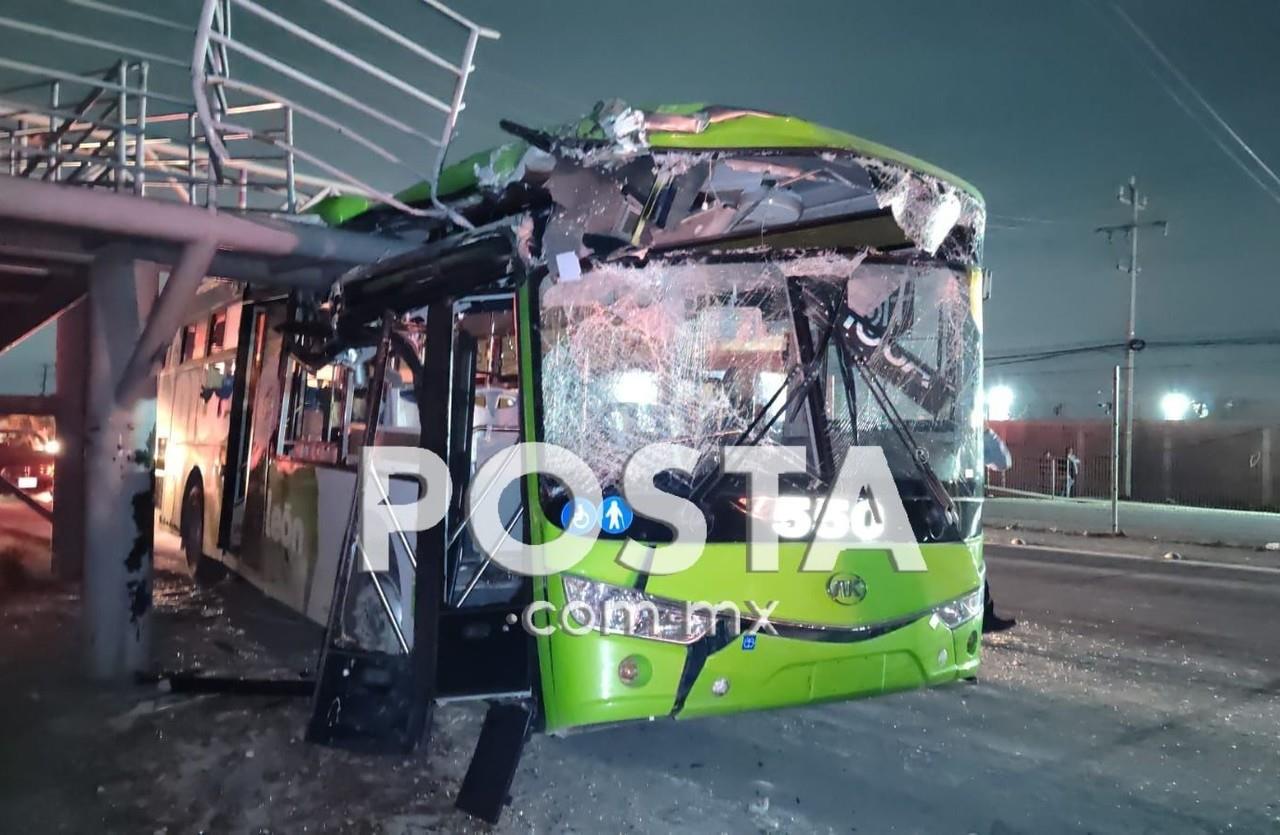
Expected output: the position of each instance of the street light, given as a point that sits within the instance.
(1175, 406)
(999, 403)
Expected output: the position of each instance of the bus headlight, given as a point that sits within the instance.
(616, 610)
(958, 612)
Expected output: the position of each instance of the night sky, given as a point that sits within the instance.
(1046, 106)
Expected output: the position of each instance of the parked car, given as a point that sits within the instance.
(27, 459)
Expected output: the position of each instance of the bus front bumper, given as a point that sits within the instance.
(741, 674)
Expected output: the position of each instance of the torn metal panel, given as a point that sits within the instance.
(613, 194)
(590, 206)
(926, 208)
(498, 171)
(624, 126)
(696, 122)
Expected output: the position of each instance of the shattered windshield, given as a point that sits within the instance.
(698, 353)
(915, 331)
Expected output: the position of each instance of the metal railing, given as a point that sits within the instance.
(1054, 474)
(232, 142)
(213, 82)
(83, 132)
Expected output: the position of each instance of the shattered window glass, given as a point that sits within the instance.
(671, 353)
(698, 353)
(917, 332)
(938, 217)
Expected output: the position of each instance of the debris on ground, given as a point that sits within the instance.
(1091, 728)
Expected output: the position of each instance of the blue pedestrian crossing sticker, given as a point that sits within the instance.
(579, 517)
(748, 641)
(615, 515)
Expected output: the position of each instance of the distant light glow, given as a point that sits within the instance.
(53, 446)
(636, 387)
(999, 403)
(1175, 406)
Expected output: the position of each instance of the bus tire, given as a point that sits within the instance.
(199, 567)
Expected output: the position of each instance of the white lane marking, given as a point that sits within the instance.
(1115, 555)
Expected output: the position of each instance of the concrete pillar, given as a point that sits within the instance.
(68, 474)
(119, 438)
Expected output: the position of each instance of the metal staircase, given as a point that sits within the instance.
(307, 112)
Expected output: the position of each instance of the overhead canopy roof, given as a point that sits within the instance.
(50, 234)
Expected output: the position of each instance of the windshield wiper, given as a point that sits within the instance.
(918, 454)
(751, 436)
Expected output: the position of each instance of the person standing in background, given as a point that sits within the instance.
(998, 459)
(1073, 471)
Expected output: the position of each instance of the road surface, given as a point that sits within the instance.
(1135, 695)
(1174, 523)
(21, 522)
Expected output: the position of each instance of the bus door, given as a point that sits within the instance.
(481, 654)
(254, 420)
(460, 642)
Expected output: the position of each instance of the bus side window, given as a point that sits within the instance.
(187, 344)
(217, 332)
(399, 420)
(314, 421)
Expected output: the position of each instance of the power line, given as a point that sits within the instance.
(1025, 220)
(1250, 367)
(1041, 355)
(1025, 223)
(1204, 103)
(1164, 59)
(1049, 354)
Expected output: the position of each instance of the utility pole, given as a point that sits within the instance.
(1115, 451)
(1137, 202)
(44, 379)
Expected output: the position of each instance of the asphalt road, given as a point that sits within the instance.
(1174, 523)
(1222, 612)
(1134, 696)
(18, 520)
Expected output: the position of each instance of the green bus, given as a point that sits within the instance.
(713, 277)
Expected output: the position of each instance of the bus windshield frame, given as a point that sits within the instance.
(703, 353)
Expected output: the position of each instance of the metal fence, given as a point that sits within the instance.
(1202, 463)
(1206, 463)
(1057, 474)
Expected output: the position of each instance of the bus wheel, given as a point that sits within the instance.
(201, 568)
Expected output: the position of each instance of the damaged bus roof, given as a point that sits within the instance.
(684, 127)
